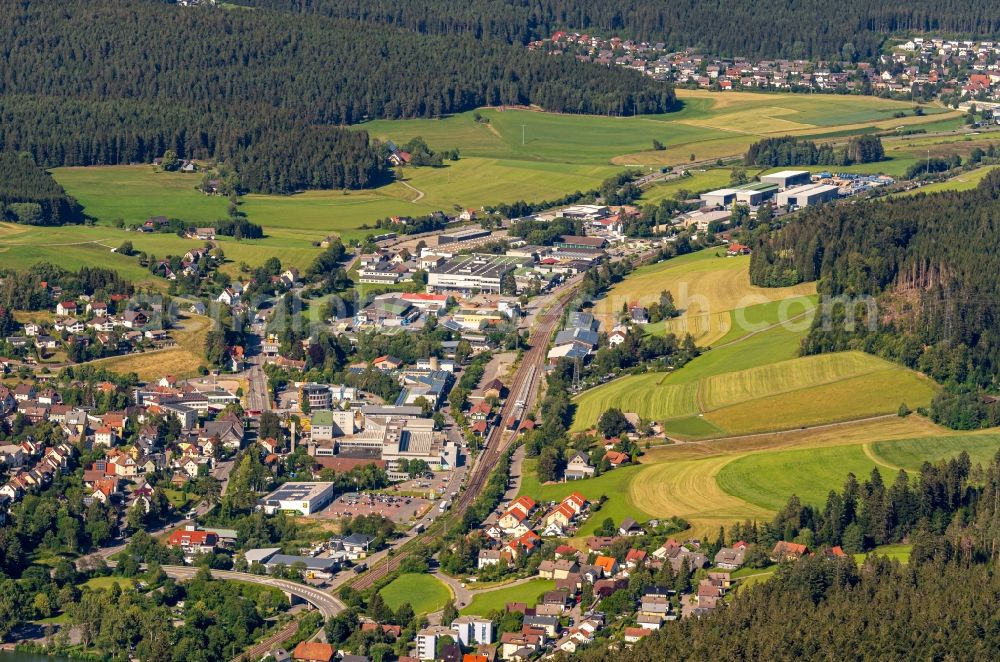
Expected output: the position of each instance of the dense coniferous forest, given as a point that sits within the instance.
(824, 607)
(29, 195)
(86, 82)
(792, 151)
(762, 28)
(931, 264)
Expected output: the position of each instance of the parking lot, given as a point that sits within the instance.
(400, 509)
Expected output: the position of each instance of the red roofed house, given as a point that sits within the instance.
(64, 308)
(617, 458)
(194, 542)
(635, 558)
(517, 512)
(314, 651)
(737, 249)
(788, 551)
(387, 363)
(608, 564)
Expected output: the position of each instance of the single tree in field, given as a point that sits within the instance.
(612, 423)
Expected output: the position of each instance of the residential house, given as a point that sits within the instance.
(314, 651)
(578, 468)
(788, 551)
(729, 558)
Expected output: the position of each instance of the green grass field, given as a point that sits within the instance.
(613, 485)
(964, 182)
(770, 396)
(768, 479)
(899, 552)
(424, 593)
(909, 454)
(99, 583)
(733, 120)
(485, 602)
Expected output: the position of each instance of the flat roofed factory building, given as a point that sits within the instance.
(803, 196)
(304, 498)
(787, 178)
(466, 273)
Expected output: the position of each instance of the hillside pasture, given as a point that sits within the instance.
(706, 287)
(683, 479)
(910, 454)
(798, 392)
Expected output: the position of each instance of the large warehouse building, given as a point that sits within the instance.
(304, 498)
(787, 178)
(748, 194)
(803, 196)
(467, 273)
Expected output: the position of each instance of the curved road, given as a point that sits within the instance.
(326, 604)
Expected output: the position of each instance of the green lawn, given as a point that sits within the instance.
(613, 485)
(898, 552)
(531, 592)
(177, 499)
(99, 583)
(425, 593)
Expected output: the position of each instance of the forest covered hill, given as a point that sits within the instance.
(747, 28)
(87, 82)
(931, 264)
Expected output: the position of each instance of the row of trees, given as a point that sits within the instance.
(792, 151)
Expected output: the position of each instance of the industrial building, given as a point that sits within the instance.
(304, 498)
(748, 194)
(722, 197)
(755, 194)
(476, 272)
(812, 194)
(458, 236)
(787, 178)
(327, 424)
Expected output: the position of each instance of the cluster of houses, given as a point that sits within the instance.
(31, 467)
(924, 66)
(81, 321)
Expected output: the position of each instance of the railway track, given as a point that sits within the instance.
(526, 380)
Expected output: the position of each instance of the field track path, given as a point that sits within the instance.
(867, 448)
(824, 426)
(420, 194)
